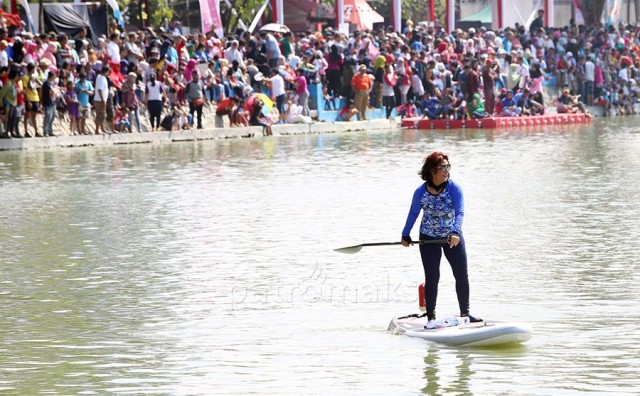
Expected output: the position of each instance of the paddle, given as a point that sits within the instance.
(357, 248)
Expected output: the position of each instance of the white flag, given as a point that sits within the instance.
(116, 11)
(27, 10)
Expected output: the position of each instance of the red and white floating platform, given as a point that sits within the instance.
(497, 122)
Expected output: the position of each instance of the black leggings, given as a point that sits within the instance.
(197, 110)
(335, 85)
(457, 257)
(389, 103)
(155, 112)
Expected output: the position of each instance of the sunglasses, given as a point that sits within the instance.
(444, 167)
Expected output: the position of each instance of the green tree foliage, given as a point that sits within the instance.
(160, 11)
(188, 11)
(416, 10)
(244, 10)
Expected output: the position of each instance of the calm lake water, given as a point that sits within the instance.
(207, 268)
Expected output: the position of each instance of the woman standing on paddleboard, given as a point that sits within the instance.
(442, 203)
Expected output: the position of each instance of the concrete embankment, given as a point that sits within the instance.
(191, 135)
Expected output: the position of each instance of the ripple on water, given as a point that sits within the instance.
(208, 268)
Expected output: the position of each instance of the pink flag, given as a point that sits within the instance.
(210, 15)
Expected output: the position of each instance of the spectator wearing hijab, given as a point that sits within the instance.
(233, 53)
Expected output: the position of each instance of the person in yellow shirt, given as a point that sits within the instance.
(362, 85)
(31, 85)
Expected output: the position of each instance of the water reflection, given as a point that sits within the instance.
(447, 372)
(455, 370)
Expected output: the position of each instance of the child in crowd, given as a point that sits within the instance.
(446, 102)
(615, 96)
(183, 118)
(525, 101)
(121, 120)
(459, 108)
(169, 120)
(21, 99)
(241, 114)
(329, 101)
(71, 100)
(497, 109)
(110, 108)
(293, 114)
(348, 111)
(603, 101)
(510, 106)
(172, 121)
(476, 107)
(625, 103)
(431, 106)
(408, 110)
(538, 99)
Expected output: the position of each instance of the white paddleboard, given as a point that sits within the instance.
(485, 333)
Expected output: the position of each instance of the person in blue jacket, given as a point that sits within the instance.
(510, 107)
(442, 203)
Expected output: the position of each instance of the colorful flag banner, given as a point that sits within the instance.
(210, 15)
(116, 12)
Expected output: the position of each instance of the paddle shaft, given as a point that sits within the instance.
(357, 248)
(425, 242)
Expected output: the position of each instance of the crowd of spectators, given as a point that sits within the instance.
(171, 78)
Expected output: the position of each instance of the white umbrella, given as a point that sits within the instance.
(274, 27)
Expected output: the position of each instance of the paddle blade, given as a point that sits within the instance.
(349, 249)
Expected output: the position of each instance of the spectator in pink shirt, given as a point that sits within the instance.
(335, 62)
(302, 91)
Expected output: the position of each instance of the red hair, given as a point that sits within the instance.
(430, 164)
